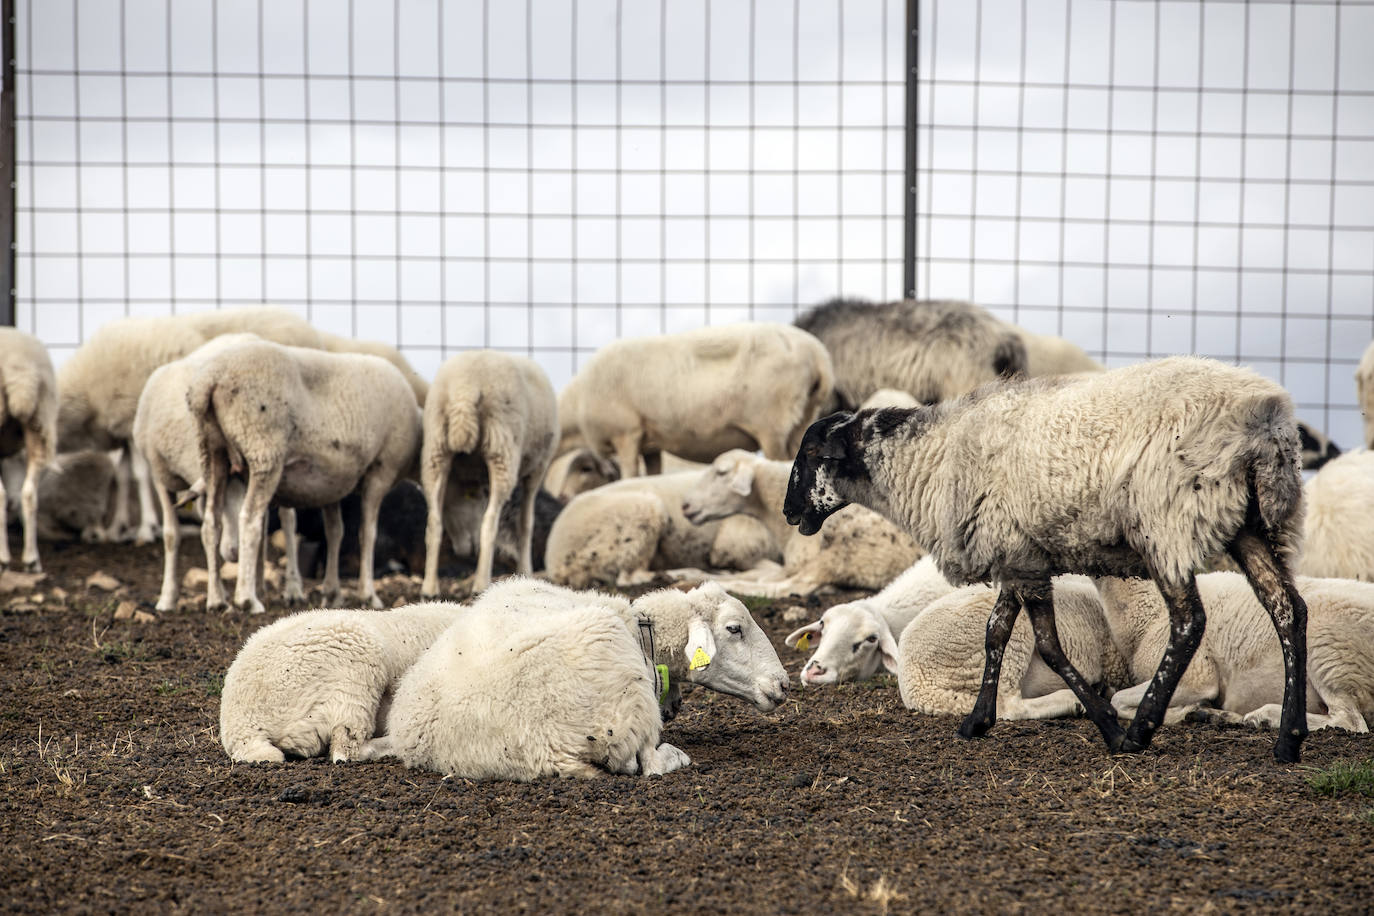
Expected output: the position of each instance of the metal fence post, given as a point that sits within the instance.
(8, 149)
(909, 177)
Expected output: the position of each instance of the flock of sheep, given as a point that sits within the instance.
(917, 449)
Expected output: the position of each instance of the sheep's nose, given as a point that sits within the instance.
(814, 669)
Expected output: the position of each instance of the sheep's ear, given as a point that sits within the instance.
(701, 645)
(888, 647)
(795, 635)
(743, 481)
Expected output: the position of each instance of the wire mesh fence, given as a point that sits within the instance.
(540, 176)
(544, 176)
(1154, 178)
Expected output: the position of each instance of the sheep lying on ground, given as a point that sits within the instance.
(1143, 471)
(618, 534)
(940, 655)
(857, 548)
(584, 701)
(322, 679)
(489, 424)
(74, 491)
(166, 434)
(934, 350)
(1364, 393)
(577, 471)
(1338, 529)
(28, 421)
(856, 639)
(696, 394)
(309, 427)
(1238, 665)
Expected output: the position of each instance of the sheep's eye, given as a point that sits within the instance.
(873, 638)
(734, 629)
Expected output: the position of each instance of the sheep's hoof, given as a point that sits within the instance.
(251, 605)
(213, 606)
(1288, 749)
(974, 728)
(374, 602)
(146, 535)
(1125, 744)
(294, 595)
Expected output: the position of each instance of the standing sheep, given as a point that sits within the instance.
(321, 679)
(1364, 393)
(696, 394)
(1338, 529)
(857, 548)
(934, 351)
(497, 415)
(308, 427)
(1143, 471)
(28, 420)
(537, 681)
(1238, 664)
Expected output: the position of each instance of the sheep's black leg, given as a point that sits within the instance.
(1000, 622)
(1187, 620)
(1039, 602)
(1273, 585)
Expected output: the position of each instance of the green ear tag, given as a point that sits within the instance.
(804, 643)
(663, 680)
(700, 659)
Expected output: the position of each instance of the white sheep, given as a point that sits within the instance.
(99, 385)
(1238, 665)
(1364, 393)
(1050, 355)
(1143, 471)
(933, 350)
(337, 344)
(855, 640)
(577, 471)
(889, 397)
(489, 424)
(322, 679)
(74, 492)
(857, 548)
(940, 659)
(28, 421)
(1338, 529)
(308, 427)
(696, 394)
(619, 534)
(523, 688)
(166, 434)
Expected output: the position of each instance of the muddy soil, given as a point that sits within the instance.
(117, 796)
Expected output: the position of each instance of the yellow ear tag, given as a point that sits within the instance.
(804, 643)
(700, 659)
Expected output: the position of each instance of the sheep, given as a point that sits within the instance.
(696, 394)
(1338, 529)
(498, 412)
(28, 421)
(1147, 470)
(308, 427)
(1364, 393)
(855, 639)
(562, 684)
(74, 492)
(1050, 355)
(577, 471)
(321, 679)
(889, 397)
(1238, 664)
(1316, 448)
(857, 548)
(165, 433)
(336, 344)
(99, 385)
(939, 664)
(933, 350)
(620, 533)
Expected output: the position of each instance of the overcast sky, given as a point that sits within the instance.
(545, 176)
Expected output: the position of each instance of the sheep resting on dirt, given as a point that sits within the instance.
(1143, 471)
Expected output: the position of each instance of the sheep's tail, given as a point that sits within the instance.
(200, 396)
(20, 394)
(1275, 480)
(462, 420)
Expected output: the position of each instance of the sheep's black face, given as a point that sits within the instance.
(812, 495)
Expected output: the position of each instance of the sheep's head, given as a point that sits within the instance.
(855, 643)
(828, 453)
(722, 489)
(728, 652)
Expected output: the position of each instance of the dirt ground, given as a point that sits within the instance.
(117, 796)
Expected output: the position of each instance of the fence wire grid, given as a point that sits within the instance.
(543, 177)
